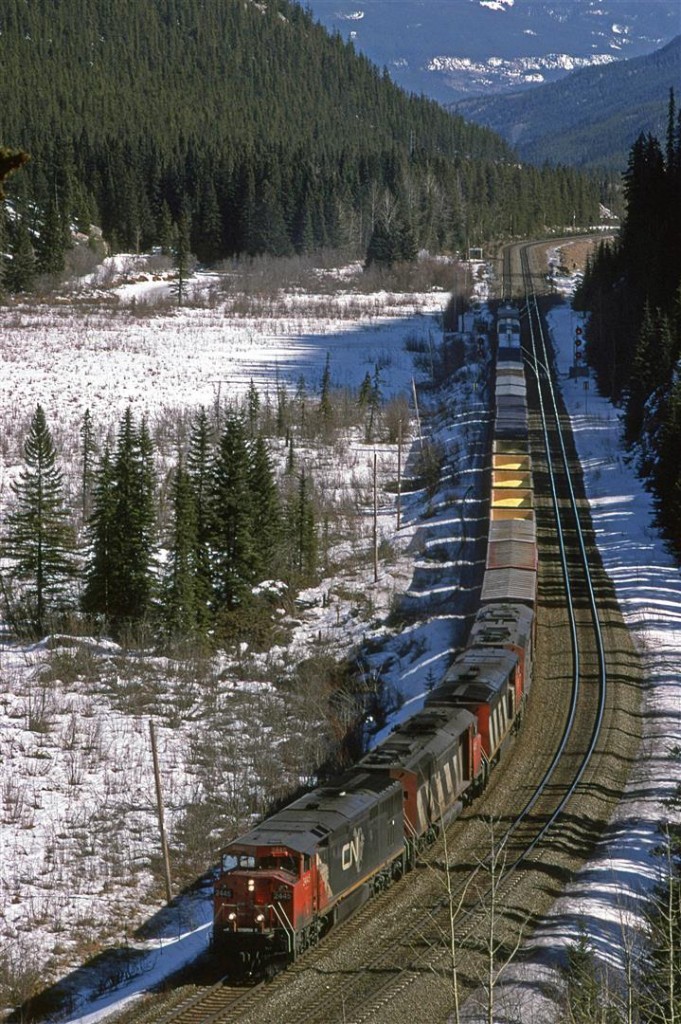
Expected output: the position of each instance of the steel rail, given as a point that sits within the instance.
(548, 407)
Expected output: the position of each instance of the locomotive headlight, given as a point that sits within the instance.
(251, 884)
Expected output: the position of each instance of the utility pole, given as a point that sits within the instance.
(416, 405)
(399, 474)
(375, 520)
(159, 807)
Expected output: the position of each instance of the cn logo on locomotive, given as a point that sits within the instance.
(352, 852)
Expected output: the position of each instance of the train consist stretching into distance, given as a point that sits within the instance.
(289, 879)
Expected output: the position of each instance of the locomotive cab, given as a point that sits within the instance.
(260, 892)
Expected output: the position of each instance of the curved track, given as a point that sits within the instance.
(433, 934)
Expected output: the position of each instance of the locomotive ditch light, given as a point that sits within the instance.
(260, 918)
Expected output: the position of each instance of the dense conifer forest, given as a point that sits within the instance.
(252, 127)
(633, 292)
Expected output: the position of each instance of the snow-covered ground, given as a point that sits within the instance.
(78, 826)
(177, 358)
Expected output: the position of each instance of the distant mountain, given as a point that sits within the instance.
(451, 49)
(591, 117)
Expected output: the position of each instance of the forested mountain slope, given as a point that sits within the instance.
(632, 290)
(250, 124)
(590, 118)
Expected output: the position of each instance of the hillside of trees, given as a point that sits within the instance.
(249, 128)
(632, 290)
(591, 117)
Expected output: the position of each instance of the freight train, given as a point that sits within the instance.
(292, 877)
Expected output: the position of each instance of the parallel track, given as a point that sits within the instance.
(409, 926)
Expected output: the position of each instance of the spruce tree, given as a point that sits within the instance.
(232, 541)
(253, 405)
(102, 529)
(301, 402)
(199, 469)
(302, 530)
(88, 454)
(265, 512)
(38, 539)
(182, 253)
(140, 541)
(21, 269)
(181, 612)
(120, 581)
(52, 241)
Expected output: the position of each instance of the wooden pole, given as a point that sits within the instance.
(416, 406)
(159, 807)
(399, 474)
(375, 521)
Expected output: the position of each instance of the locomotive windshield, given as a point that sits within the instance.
(284, 862)
(269, 862)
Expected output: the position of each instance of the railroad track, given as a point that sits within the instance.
(397, 956)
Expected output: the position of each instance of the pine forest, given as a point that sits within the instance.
(251, 129)
(632, 290)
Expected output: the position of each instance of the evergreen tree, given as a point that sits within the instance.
(182, 253)
(207, 241)
(52, 241)
(88, 453)
(381, 248)
(232, 542)
(302, 530)
(253, 405)
(666, 474)
(38, 538)
(662, 982)
(364, 394)
(21, 269)
(200, 468)
(181, 589)
(122, 528)
(166, 232)
(266, 512)
(301, 401)
(584, 996)
(102, 528)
